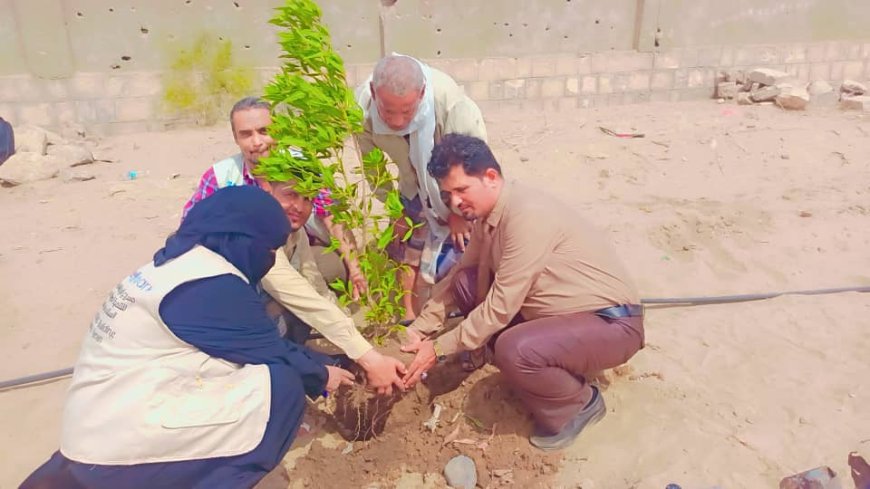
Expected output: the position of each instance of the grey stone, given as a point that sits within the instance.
(76, 175)
(30, 139)
(764, 94)
(726, 90)
(792, 97)
(54, 138)
(860, 102)
(822, 94)
(71, 154)
(743, 98)
(74, 131)
(819, 87)
(461, 472)
(767, 76)
(850, 87)
(23, 168)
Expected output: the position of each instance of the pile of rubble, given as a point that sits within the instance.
(767, 86)
(41, 155)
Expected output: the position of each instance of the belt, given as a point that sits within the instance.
(621, 311)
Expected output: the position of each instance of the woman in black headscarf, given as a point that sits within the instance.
(183, 380)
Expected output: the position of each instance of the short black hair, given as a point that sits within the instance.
(458, 149)
(247, 103)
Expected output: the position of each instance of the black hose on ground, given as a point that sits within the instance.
(724, 299)
(32, 379)
(674, 301)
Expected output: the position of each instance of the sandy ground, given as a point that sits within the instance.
(716, 199)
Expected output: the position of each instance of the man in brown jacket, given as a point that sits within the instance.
(539, 286)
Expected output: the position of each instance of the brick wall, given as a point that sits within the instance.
(110, 103)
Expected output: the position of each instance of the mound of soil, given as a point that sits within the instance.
(479, 417)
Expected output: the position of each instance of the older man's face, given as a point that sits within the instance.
(250, 130)
(397, 111)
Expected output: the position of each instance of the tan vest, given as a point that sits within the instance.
(142, 395)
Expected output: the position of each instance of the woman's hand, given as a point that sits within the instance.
(337, 377)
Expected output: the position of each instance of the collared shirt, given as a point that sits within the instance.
(296, 283)
(208, 185)
(535, 257)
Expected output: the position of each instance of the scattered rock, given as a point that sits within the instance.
(76, 175)
(850, 87)
(819, 87)
(765, 94)
(736, 76)
(861, 102)
(743, 98)
(766, 76)
(54, 138)
(415, 480)
(412, 480)
(505, 476)
(726, 90)
(792, 97)
(27, 167)
(461, 472)
(30, 139)
(821, 93)
(824, 99)
(71, 154)
(74, 131)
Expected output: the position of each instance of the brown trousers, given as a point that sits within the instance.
(547, 360)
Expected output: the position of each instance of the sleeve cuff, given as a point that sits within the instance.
(425, 327)
(448, 343)
(357, 347)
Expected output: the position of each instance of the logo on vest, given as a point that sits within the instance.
(139, 281)
(118, 301)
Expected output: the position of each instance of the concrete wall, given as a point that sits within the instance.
(99, 62)
(57, 38)
(685, 23)
(479, 28)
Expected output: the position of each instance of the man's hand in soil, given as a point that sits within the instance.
(423, 361)
(382, 372)
(337, 377)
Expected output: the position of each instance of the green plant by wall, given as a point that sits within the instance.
(315, 112)
(203, 82)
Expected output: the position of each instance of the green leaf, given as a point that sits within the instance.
(385, 237)
(316, 113)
